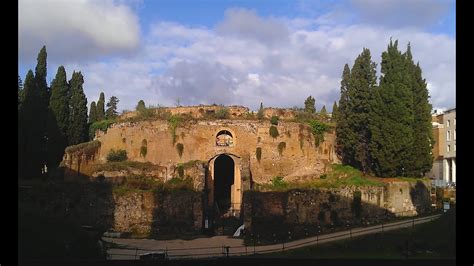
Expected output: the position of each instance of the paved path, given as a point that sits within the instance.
(213, 246)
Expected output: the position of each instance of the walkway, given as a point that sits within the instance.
(214, 246)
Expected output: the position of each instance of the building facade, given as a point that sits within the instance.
(444, 148)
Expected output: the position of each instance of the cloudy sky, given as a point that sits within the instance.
(233, 52)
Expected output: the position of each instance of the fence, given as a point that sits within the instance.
(227, 251)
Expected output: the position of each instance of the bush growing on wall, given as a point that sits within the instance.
(143, 148)
(274, 120)
(258, 152)
(222, 113)
(116, 155)
(274, 132)
(180, 149)
(281, 147)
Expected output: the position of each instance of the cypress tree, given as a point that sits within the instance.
(20, 91)
(140, 106)
(363, 82)
(392, 120)
(59, 102)
(260, 112)
(334, 112)
(111, 112)
(345, 137)
(58, 118)
(31, 133)
(92, 113)
(78, 128)
(101, 107)
(323, 111)
(422, 161)
(310, 105)
(43, 102)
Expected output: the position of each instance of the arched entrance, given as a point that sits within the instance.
(224, 184)
(224, 169)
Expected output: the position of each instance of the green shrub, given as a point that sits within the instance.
(180, 149)
(143, 148)
(278, 182)
(281, 147)
(174, 122)
(222, 113)
(318, 129)
(258, 152)
(88, 148)
(180, 171)
(116, 155)
(274, 120)
(99, 125)
(274, 132)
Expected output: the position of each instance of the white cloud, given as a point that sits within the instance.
(401, 13)
(204, 66)
(244, 23)
(76, 30)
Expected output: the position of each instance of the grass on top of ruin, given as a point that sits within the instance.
(338, 176)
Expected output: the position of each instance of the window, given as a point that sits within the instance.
(448, 124)
(448, 135)
(449, 148)
(224, 138)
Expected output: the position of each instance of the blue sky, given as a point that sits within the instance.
(232, 52)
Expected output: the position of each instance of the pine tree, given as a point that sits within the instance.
(58, 118)
(78, 128)
(111, 112)
(31, 133)
(100, 107)
(422, 130)
(260, 112)
(392, 120)
(92, 113)
(334, 112)
(310, 105)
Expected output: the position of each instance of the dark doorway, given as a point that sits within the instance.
(223, 180)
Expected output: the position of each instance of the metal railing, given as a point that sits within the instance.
(227, 251)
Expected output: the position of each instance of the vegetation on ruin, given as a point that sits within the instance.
(124, 165)
(281, 147)
(102, 125)
(143, 148)
(180, 149)
(222, 113)
(88, 148)
(338, 176)
(274, 120)
(318, 129)
(116, 155)
(274, 132)
(258, 153)
(174, 122)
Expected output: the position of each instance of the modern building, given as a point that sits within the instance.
(444, 148)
